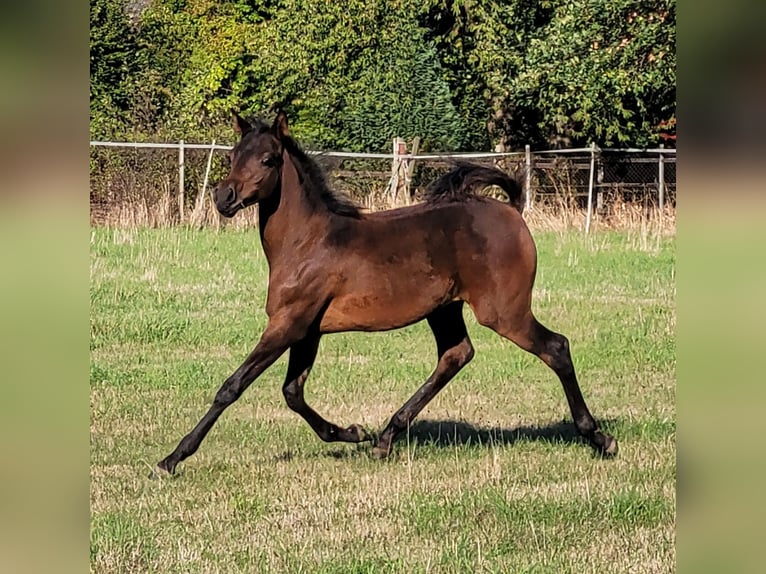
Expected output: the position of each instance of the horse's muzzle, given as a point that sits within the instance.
(226, 201)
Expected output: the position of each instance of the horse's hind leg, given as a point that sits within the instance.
(302, 355)
(553, 350)
(454, 349)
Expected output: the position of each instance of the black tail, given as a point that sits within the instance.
(462, 182)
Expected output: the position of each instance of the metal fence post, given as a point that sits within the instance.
(528, 175)
(661, 182)
(590, 187)
(181, 181)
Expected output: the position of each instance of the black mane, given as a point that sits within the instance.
(313, 177)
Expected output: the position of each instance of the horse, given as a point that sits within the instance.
(335, 268)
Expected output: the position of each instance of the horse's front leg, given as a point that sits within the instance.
(275, 340)
(302, 355)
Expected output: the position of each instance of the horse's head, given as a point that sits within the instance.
(256, 163)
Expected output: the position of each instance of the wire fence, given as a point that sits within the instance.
(170, 183)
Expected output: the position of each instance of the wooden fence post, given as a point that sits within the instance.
(394, 183)
(181, 181)
(198, 213)
(409, 169)
(661, 182)
(590, 187)
(528, 175)
(397, 173)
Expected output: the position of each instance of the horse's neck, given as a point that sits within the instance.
(286, 217)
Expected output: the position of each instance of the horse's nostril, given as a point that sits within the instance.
(231, 196)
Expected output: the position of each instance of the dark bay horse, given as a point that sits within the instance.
(333, 268)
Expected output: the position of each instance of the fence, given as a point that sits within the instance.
(175, 177)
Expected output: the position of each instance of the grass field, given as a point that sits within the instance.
(491, 478)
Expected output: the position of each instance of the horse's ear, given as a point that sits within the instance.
(240, 126)
(280, 128)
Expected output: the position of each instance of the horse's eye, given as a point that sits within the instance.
(271, 160)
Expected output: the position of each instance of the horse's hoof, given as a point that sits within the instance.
(380, 453)
(161, 470)
(605, 445)
(158, 472)
(610, 446)
(358, 434)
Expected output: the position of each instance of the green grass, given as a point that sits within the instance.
(490, 478)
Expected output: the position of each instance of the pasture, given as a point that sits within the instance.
(490, 478)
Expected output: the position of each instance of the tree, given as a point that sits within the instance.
(460, 74)
(112, 49)
(481, 44)
(403, 94)
(600, 71)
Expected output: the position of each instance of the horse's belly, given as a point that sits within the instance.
(387, 306)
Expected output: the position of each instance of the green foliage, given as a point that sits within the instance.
(209, 41)
(560, 72)
(403, 94)
(356, 76)
(601, 71)
(481, 45)
(112, 48)
(460, 75)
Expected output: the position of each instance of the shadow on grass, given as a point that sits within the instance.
(451, 433)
